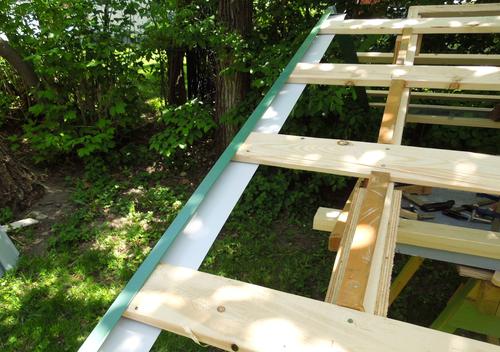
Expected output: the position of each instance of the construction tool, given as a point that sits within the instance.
(429, 207)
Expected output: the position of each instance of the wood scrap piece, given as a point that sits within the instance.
(481, 243)
(354, 282)
(238, 316)
(342, 256)
(338, 228)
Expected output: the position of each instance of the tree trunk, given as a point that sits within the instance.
(231, 88)
(23, 68)
(18, 186)
(200, 75)
(176, 86)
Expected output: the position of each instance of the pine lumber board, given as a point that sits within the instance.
(449, 169)
(373, 57)
(382, 279)
(233, 315)
(479, 122)
(338, 228)
(450, 238)
(393, 119)
(421, 76)
(372, 222)
(438, 107)
(456, 10)
(482, 243)
(475, 273)
(440, 96)
(346, 238)
(483, 24)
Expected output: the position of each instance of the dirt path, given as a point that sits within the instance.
(48, 210)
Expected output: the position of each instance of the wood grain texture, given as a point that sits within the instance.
(482, 243)
(355, 280)
(449, 238)
(391, 128)
(453, 25)
(421, 166)
(232, 315)
(456, 10)
(439, 77)
(373, 57)
(381, 274)
(439, 96)
(478, 122)
(439, 107)
(338, 228)
(342, 257)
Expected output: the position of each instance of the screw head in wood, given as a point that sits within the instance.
(234, 347)
(343, 142)
(221, 309)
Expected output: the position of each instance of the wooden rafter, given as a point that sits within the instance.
(473, 172)
(433, 59)
(238, 316)
(484, 24)
(455, 77)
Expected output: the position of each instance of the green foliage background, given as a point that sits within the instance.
(100, 107)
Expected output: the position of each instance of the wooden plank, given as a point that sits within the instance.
(382, 280)
(439, 77)
(450, 238)
(478, 122)
(341, 259)
(438, 107)
(440, 96)
(338, 228)
(354, 282)
(326, 218)
(452, 25)
(238, 316)
(450, 169)
(433, 59)
(456, 10)
(482, 243)
(391, 129)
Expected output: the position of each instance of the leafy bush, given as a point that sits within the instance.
(85, 53)
(183, 125)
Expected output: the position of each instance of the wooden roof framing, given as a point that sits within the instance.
(238, 316)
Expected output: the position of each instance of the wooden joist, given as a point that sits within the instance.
(433, 59)
(467, 171)
(482, 243)
(479, 122)
(440, 96)
(456, 10)
(238, 316)
(484, 24)
(439, 107)
(361, 249)
(438, 77)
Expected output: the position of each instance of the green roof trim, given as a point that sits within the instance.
(100, 332)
